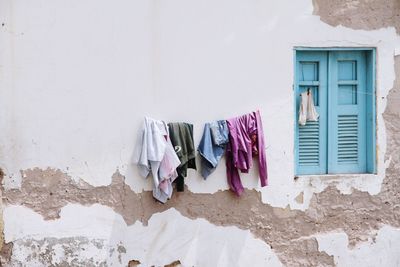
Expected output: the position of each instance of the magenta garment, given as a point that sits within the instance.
(246, 139)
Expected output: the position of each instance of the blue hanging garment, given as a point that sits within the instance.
(212, 146)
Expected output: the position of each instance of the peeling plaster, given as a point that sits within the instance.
(5, 248)
(300, 198)
(133, 263)
(359, 14)
(49, 251)
(359, 213)
(101, 233)
(174, 264)
(384, 248)
(6, 253)
(163, 47)
(360, 207)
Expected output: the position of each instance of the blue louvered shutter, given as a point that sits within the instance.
(311, 139)
(347, 112)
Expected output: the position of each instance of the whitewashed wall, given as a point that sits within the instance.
(77, 78)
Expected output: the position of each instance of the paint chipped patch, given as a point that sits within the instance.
(304, 252)
(174, 264)
(384, 247)
(133, 263)
(5, 253)
(49, 251)
(121, 250)
(360, 212)
(300, 198)
(47, 191)
(359, 14)
(101, 232)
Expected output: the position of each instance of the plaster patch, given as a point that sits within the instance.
(133, 263)
(300, 198)
(6, 253)
(174, 264)
(50, 251)
(48, 191)
(381, 250)
(99, 229)
(359, 14)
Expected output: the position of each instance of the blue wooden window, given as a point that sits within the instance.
(343, 139)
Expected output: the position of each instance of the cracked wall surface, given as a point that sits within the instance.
(359, 14)
(384, 245)
(48, 250)
(167, 237)
(289, 232)
(307, 228)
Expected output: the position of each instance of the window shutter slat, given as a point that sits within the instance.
(309, 144)
(347, 139)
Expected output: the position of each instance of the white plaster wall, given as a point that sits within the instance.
(168, 237)
(77, 78)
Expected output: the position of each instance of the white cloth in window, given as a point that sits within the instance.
(307, 110)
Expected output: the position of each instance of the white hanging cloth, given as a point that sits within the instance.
(307, 110)
(155, 154)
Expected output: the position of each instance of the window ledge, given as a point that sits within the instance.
(338, 176)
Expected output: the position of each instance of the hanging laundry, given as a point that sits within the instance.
(212, 146)
(181, 135)
(219, 132)
(246, 139)
(307, 110)
(154, 153)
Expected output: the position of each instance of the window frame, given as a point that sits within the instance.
(371, 150)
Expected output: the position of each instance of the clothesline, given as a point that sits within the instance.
(165, 151)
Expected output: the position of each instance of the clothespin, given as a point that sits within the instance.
(308, 91)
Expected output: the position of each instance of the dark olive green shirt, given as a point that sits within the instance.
(181, 135)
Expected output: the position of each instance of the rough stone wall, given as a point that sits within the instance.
(289, 232)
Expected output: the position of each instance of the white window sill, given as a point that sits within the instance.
(345, 183)
(339, 176)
